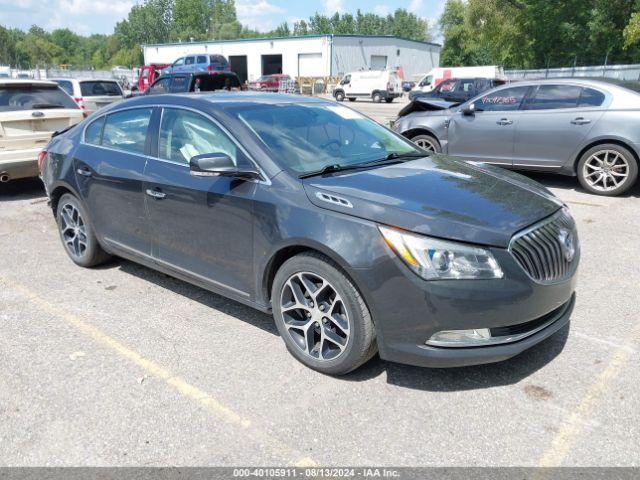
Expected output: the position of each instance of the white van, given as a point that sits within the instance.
(437, 75)
(377, 85)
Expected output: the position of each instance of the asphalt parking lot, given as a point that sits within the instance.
(121, 365)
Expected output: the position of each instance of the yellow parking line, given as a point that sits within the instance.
(570, 431)
(204, 399)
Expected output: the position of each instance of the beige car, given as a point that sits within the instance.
(30, 112)
(91, 94)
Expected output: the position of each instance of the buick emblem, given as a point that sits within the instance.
(568, 244)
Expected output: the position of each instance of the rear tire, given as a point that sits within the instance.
(377, 97)
(312, 295)
(339, 96)
(352, 99)
(603, 165)
(77, 234)
(388, 100)
(427, 142)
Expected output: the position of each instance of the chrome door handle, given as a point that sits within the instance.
(85, 172)
(580, 121)
(505, 121)
(156, 194)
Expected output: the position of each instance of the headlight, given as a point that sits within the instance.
(434, 259)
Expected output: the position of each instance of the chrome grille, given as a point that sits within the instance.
(544, 250)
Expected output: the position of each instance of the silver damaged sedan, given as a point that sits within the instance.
(584, 128)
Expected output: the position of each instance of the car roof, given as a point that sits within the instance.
(13, 81)
(244, 98)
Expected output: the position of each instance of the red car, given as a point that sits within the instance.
(268, 82)
(148, 73)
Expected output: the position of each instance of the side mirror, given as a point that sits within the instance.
(218, 165)
(469, 110)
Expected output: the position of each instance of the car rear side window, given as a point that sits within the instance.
(185, 134)
(16, 97)
(179, 84)
(67, 86)
(591, 98)
(552, 97)
(95, 88)
(127, 130)
(93, 133)
(160, 86)
(507, 99)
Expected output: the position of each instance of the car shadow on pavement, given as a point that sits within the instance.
(218, 302)
(24, 189)
(428, 379)
(503, 373)
(562, 182)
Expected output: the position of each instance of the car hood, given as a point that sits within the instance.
(438, 196)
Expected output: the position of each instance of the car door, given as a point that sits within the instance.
(553, 124)
(189, 64)
(201, 63)
(488, 134)
(202, 226)
(346, 85)
(177, 66)
(109, 165)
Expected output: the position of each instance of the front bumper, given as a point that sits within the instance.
(20, 163)
(407, 311)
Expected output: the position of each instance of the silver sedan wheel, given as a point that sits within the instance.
(315, 316)
(425, 144)
(73, 230)
(606, 170)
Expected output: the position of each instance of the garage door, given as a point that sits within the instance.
(378, 62)
(310, 65)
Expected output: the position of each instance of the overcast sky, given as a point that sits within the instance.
(100, 16)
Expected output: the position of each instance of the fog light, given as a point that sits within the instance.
(460, 338)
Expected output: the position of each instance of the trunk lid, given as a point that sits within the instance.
(24, 129)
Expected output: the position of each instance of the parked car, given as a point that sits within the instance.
(353, 237)
(30, 112)
(91, 94)
(269, 83)
(201, 62)
(148, 74)
(377, 85)
(576, 127)
(458, 90)
(195, 82)
(439, 74)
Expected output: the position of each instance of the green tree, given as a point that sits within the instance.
(632, 30)
(147, 22)
(7, 47)
(300, 28)
(191, 19)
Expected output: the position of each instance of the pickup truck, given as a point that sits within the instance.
(195, 82)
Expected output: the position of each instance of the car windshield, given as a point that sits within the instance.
(33, 97)
(99, 88)
(306, 137)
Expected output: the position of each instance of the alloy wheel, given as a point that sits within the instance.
(73, 230)
(315, 316)
(606, 170)
(425, 144)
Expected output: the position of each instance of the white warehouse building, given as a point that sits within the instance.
(308, 56)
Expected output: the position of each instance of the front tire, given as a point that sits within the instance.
(607, 169)
(388, 100)
(321, 316)
(427, 142)
(352, 99)
(339, 96)
(77, 234)
(377, 97)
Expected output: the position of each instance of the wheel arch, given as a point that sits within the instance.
(602, 141)
(57, 192)
(421, 131)
(285, 252)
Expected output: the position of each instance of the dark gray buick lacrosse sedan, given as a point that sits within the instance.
(356, 240)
